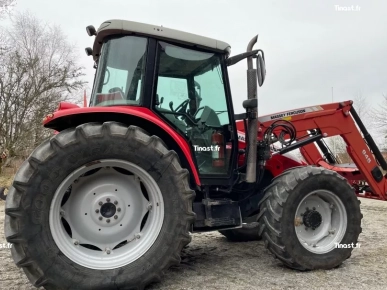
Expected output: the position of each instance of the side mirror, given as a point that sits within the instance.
(91, 30)
(88, 51)
(261, 68)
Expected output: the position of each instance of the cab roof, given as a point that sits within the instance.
(125, 27)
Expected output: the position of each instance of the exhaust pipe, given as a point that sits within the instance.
(251, 164)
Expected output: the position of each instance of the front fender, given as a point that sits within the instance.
(279, 163)
(139, 116)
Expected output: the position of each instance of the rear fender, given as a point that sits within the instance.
(138, 116)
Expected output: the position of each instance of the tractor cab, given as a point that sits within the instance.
(180, 77)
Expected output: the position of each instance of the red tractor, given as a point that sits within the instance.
(110, 201)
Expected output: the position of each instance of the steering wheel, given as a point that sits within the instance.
(182, 108)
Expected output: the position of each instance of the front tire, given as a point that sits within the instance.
(305, 213)
(62, 211)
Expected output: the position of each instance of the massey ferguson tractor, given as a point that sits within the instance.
(111, 199)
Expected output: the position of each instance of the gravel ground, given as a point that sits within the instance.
(210, 262)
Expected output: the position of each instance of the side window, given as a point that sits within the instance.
(173, 90)
(120, 72)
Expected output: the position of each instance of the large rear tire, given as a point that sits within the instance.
(100, 206)
(306, 212)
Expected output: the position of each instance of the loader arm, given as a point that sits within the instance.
(336, 119)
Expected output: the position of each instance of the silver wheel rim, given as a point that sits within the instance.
(115, 211)
(320, 221)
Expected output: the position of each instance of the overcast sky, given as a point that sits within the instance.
(309, 46)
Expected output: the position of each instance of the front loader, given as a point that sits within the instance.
(367, 173)
(111, 199)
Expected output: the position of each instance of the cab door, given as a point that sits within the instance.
(191, 95)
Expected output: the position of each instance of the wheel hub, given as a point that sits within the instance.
(312, 219)
(108, 210)
(320, 221)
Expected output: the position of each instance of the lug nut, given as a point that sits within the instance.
(108, 251)
(100, 218)
(100, 203)
(97, 210)
(149, 207)
(76, 243)
(116, 217)
(119, 209)
(108, 199)
(108, 220)
(115, 202)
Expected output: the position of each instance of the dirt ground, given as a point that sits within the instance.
(210, 262)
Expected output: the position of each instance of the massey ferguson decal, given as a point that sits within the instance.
(289, 113)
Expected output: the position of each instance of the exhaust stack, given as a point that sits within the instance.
(251, 164)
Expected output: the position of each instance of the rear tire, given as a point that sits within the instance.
(49, 258)
(295, 233)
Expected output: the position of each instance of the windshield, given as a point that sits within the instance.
(120, 72)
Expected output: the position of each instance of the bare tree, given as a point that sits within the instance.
(361, 105)
(379, 116)
(37, 71)
(5, 6)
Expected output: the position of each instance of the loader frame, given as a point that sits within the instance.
(367, 174)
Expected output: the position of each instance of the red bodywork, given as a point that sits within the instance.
(332, 120)
(276, 165)
(67, 109)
